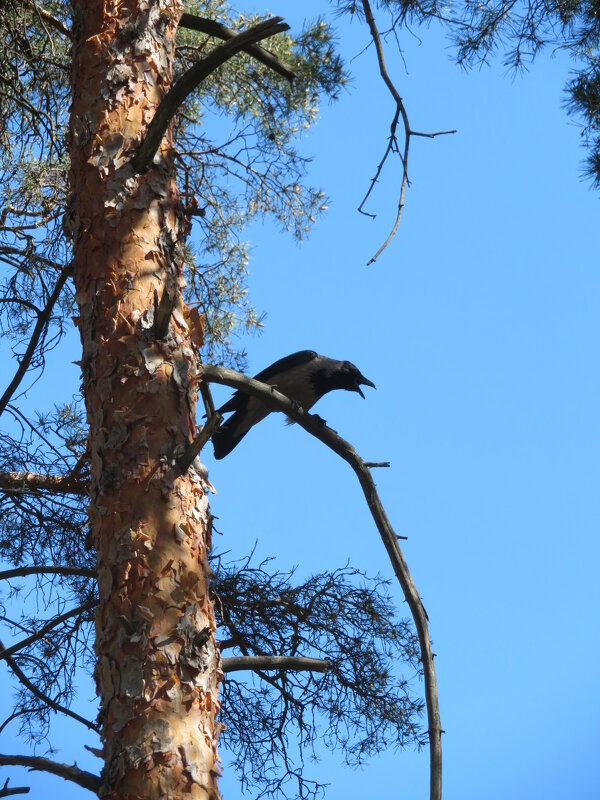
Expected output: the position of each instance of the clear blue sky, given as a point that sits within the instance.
(480, 327)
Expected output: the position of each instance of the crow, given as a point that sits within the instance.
(304, 377)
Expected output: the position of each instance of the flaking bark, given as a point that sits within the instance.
(149, 523)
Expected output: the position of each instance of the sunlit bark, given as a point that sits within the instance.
(158, 667)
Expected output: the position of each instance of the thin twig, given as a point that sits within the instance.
(344, 449)
(7, 652)
(43, 697)
(432, 135)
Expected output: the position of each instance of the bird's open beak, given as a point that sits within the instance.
(365, 382)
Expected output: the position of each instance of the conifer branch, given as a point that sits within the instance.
(194, 76)
(7, 652)
(213, 28)
(38, 332)
(48, 701)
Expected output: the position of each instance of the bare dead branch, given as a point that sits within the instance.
(207, 399)
(7, 792)
(213, 28)
(295, 663)
(38, 331)
(7, 652)
(31, 482)
(196, 446)
(344, 449)
(70, 772)
(18, 672)
(432, 135)
(21, 712)
(23, 572)
(170, 104)
(392, 145)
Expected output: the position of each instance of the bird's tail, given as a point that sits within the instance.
(225, 439)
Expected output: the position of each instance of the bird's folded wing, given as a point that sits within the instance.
(269, 375)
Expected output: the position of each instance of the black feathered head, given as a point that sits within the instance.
(351, 378)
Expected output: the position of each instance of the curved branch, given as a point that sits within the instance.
(70, 772)
(213, 28)
(18, 301)
(177, 94)
(7, 652)
(25, 482)
(392, 145)
(22, 572)
(294, 663)
(43, 697)
(15, 715)
(38, 331)
(344, 449)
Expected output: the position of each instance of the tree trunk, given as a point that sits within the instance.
(158, 667)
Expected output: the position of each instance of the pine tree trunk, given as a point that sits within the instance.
(158, 667)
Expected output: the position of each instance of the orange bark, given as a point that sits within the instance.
(158, 666)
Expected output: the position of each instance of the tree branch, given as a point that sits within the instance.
(38, 331)
(344, 449)
(47, 17)
(193, 449)
(392, 146)
(70, 772)
(213, 28)
(22, 572)
(6, 791)
(43, 697)
(7, 652)
(294, 663)
(170, 104)
(30, 482)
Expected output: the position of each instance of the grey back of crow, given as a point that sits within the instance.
(304, 377)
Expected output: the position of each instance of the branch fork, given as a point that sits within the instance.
(194, 76)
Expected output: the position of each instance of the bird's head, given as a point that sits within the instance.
(352, 379)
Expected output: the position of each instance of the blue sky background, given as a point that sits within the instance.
(480, 327)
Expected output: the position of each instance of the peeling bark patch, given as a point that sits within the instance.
(158, 665)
